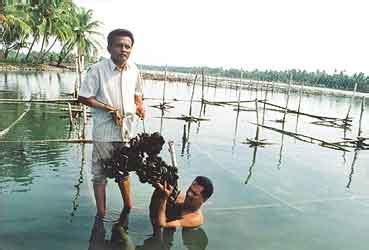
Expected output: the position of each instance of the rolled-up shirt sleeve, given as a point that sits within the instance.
(139, 85)
(90, 85)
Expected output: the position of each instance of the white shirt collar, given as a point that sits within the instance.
(114, 67)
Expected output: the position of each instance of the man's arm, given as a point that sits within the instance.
(139, 106)
(94, 103)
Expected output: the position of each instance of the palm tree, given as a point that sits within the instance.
(84, 36)
(14, 29)
(35, 21)
(61, 27)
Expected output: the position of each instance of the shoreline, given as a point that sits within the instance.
(188, 78)
(15, 67)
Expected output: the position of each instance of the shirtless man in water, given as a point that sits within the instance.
(185, 211)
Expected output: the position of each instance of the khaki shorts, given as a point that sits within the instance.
(101, 152)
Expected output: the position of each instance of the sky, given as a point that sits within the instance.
(249, 34)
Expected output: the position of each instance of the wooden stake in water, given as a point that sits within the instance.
(265, 100)
(239, 92)
(352, 100)
(288, 97)
(172, 153)
(193, 92)
(257, 120)
(202, 90)
(361, 115)
(202, 84)
(70, 116)
(165, 84)
(300, 97)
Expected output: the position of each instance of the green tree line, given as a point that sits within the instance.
(46, 23)
(337, 80)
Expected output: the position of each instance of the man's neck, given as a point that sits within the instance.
(187, 209)
(120, 66)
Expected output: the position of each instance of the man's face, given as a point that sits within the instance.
(194, 198)
(120, 49)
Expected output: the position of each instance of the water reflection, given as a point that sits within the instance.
(252, 164)
(75, 201)
(348, 185)
(186, 140)
(39, 85)
(192, 239)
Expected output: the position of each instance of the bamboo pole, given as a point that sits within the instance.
(70, 116)
(352, 99)
(165, 84)
(288, 97)
(193, 92)
(361, 115)
(306, 138)
(39, 101)
(5, 131)
(202, 90)
(239, 93)
(237, 116)
(161, 121)
(257, 120)
(300, 97)
(50, 140)
(302, 113)
(264, 105)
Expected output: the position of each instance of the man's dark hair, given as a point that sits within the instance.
(119, 32)
(207, 184)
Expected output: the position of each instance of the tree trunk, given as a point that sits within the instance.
(63, 56)
(30, 48)
(42, 46)
(16, 55)
(6, 52)
(47, 51)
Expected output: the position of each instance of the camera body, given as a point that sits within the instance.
(141, 155)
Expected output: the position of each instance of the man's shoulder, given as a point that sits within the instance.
(132, 66)
(100, 65)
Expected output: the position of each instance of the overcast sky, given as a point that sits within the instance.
(249, 34)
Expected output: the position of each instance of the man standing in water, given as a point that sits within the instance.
(185, 211)
(113, 88)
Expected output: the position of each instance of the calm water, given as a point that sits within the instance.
(297, 196)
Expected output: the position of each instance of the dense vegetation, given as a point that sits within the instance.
(50, 24)
(337, 80)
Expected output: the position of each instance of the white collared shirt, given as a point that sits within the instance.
(117, 89)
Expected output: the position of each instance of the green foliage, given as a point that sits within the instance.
(338, 80)
(47, 22)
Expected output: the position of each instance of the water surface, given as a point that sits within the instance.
(287, 195)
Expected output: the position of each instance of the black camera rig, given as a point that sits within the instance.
(141, 155)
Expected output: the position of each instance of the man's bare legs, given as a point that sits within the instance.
(100, 198)
(125, 190)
